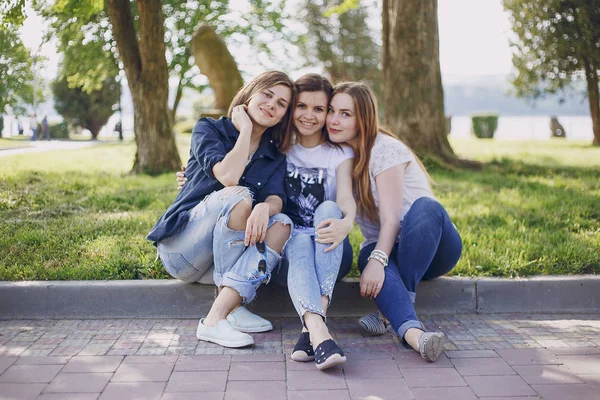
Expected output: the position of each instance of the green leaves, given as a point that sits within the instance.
(16, 75)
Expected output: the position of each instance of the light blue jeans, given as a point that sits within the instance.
(206, 240)
(312, 272)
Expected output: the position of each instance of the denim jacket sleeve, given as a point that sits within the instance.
(275, 185)
(208, 146)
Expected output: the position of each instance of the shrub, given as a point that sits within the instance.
(484, 125)
(59, 131)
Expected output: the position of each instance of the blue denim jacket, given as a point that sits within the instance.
(211, 141)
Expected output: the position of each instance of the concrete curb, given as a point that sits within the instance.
(174, 299)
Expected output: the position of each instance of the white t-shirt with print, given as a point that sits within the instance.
(311, 180)
(389, 152)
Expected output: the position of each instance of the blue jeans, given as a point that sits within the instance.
(206, 240)
(430, 247)
(312, 272)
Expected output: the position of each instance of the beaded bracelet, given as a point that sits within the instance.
(379, 256)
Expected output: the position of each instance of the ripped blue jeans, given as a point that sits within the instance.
(312, 272)
(206, 240)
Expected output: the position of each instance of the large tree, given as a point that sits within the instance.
(412, 81)
(89, 110)
(558, 44)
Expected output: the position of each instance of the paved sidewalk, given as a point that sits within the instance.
(497, 356)
(48, 145)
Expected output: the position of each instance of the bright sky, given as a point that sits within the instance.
(473, 38)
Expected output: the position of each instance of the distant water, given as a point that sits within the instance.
(527, 128)
(509, 128)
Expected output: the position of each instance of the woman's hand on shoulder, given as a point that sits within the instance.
(332, 231)
(240, 119)
(258, 222)
(371, 279)
(181, 179)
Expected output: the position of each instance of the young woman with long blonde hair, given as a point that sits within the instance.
(408, 233)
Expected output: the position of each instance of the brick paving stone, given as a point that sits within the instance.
(133, 391)
(567, 391)
(79, 364)
(395, 388)
(528, 356)
(197, 381)
(371, 369)
(472, 354)
(69, 396)
(319, 394)
(582, 364)
(143, 372)
(445, 393)
(332, 378)
(574, 351)
(257, 371)
(194, 396)
(482, 366)
(34, 360)
(203, 363)
(21, 391)
(503, 386)
(432, 377)
(240, 390)
(258, 358)
(414, 360)
(546, 374)
(30, 373)
(6, 362)
(78, 383)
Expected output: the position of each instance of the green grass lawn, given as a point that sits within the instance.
(18, 141)
(534, 209)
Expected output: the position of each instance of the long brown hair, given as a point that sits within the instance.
(310, 83)
(367, 127)
(282, 130)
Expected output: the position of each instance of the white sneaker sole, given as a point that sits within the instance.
(252, 329)
(226, 343)
(434, 347)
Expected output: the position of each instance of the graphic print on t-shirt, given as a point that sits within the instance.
(305, 189)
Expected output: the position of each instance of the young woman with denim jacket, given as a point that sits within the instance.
(321, 205)
(231, 206)
(405, 241)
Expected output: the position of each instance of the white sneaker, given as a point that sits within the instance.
(223, 334)
(245, 321)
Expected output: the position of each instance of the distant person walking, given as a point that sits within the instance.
(20, 127)
(33, 126)
(119, 129)
(45, 129)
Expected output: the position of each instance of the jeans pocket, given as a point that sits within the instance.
(178, 267)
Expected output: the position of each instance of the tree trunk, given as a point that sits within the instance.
(412, 82)
(147, 75)
(216, 62)
(591, 76)
(178, 95)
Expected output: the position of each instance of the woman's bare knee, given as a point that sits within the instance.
(277, 235)
(239, 215)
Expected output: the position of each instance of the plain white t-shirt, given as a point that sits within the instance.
(388, 152)
(311, 180)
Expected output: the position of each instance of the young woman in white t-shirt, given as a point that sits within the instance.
(406, 240)
(321, 205)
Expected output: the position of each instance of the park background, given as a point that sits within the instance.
(532, 206)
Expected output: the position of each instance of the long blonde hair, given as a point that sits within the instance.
(367, 127)
(268, 79)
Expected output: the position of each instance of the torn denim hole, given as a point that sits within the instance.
(229, 191)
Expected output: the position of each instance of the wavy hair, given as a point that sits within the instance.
(367, 126)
